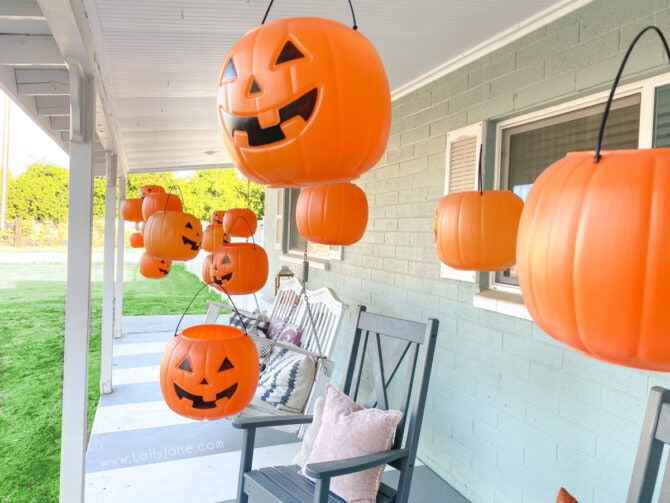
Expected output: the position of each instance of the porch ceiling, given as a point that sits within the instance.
(157, 61)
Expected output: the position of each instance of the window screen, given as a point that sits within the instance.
(529, 148)
(662, 117)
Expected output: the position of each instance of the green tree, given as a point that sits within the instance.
(220, 189)
(40, 193)
(99, 187)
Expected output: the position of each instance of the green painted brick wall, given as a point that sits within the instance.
(512, 414)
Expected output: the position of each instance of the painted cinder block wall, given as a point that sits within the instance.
(512, 415)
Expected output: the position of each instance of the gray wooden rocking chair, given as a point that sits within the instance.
(653, 438)
(372, 336)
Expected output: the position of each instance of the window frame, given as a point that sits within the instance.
(645, 88)
(286, 219)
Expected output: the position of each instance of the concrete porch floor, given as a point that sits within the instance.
(140, 451)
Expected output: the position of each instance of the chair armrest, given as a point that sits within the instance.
(253, 422)
(328, 469)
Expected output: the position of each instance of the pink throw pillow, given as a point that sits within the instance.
(282, 332)
(348, 430)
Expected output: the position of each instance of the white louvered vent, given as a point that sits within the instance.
(461, 174)
(463, 164)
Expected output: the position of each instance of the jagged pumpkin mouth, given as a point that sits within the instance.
(258, 136)
(199, 402)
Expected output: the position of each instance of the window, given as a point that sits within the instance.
(527, 145)
(287, 237)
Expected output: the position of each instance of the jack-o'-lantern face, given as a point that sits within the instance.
(303, 100)
(239, 268)
(154, 267)
(209, 371)
(173, 235)
(217, 216)
(145, 190)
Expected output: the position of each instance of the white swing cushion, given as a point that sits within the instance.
(287, 380)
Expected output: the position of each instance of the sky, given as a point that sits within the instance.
(27, 142)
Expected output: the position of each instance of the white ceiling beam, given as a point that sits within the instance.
(33, 82)
(60, 123)
(20, 10)
(52, 105)
(29, 50)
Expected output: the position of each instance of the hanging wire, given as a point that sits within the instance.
(244, 325)
(480, 172)
(351, 7)
(596, 156)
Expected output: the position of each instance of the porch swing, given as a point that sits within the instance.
(292, 375)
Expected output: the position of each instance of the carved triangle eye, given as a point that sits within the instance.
(288, 53)
(186, 365)
(226, 365)
(226, 260)
(229, 72)
(255, 88)
(189, 225)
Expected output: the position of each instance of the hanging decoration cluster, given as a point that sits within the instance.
(302, 102)
(164, 231)
(593, 248)
(238, 268)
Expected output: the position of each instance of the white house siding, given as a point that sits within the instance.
(512, 415)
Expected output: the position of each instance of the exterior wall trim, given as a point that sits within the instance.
(516, 32)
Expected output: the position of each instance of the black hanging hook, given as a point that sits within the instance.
(480, 173)
(596, 156)
(353, 15)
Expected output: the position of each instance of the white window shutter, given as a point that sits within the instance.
(463, 150)
(279, 220)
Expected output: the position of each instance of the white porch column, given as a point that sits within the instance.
(120, 249)
(108, 276)
(78, 289)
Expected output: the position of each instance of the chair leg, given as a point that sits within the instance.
(246, 459)
(404, 481)
(321, 490)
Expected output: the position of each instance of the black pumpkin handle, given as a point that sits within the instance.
(248, 227)
(480, 172)
(237, 311)
(176, 188)
(596, 156)
(353, 16)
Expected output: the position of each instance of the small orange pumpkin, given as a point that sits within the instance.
(160, 201)
(476, 230)
(213, 236)
(154, 267)
(145, 190)
(136, 240)
(174, 235)
(593, 255)
(209, 372)
(332, 214)
(131, 210)
(240, 268)
(240, 222)
(303, 100)
(217, 216)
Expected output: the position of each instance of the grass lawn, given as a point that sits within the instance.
(31, 363)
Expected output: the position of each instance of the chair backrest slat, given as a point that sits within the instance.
(385, 349)
(653, 438)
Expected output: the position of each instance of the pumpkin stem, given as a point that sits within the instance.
(353, 16)
(596, 157)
